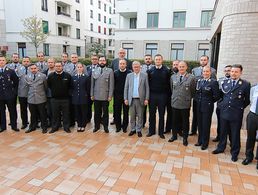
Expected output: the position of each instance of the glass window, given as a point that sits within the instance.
(179, 19)
(152, 20)
(78, 51)
(203, 49)
(91, 40)
(99, 29)
(46, 49)
(91, 13)
(177, 51)
(91, 26)
(99, 17)
(78, 33)
(133, 23)
(44, 5)
(105, 7)
(109, 21)
(91, 2)
(99, 4)
(77, 1)
(45, 26)
(105, 19)
(206, 18)
(128, 47)
(77, 15)
(151, 48)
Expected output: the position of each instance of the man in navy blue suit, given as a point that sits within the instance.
(236, 97)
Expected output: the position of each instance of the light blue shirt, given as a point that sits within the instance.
(253, 98)
(136, 85)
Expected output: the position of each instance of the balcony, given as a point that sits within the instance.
(128, 20)
(63, 30)
(63, 9)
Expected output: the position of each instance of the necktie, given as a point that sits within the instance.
(203, 82)
(34, 77)
(256, 109)
(41, 64)
(181, 78)
(2, 70)
(26, 70)
(101, 71)
(234, 83)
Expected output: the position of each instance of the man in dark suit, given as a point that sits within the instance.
(120, 77)
(8, 92)
(207, 92)
(236, 97)
(197, 72)
(159, 77)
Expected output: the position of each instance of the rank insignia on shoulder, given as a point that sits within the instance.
(228, 81)
(240, 82)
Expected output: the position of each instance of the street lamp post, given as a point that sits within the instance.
(85, 45)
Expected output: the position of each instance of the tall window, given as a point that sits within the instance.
(128, 47)
(110, 10)
(133, 23)
(44, 5)
(91, 26)
(91, 40)
(99, 4)
(203, 49)
(109, 21)
(152, 20)
(45, 26)
(99, 29)
(46, 49)
(105, 43)
(105, 30)
(77, 15)
(78, 33)
(78, 51)
(179, 19)
(177, 51)
(99, 17)
(151, 48)
(206, 18)
(105, 19)
(77, 1)
(91, 2)
(105, 7)
(91, 13)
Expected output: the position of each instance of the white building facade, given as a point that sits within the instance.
(177, 29)
(66, 22)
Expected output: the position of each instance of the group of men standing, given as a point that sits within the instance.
(60, 93)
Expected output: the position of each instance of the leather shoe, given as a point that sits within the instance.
(118, 130)
(52, 131)
(24, 127)
(149, 134)
(131, 133)
(167, 131)
(185, 142)
(172, 139)
(112, 122)
(204, 147)
(257, 166)
(198, 144)
(216, 139)
(67, 130)
(95, 129)
(30, 130)
(162, 136)
(139, 134)
(246, 161)
(16, 129)
(106, 130)
(217, 151)
(234, 158)
(192, 133)
(124, 130)
(44, 131)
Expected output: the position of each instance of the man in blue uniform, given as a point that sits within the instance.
(236, 97)
(8, 87)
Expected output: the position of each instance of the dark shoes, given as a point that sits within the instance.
(16, 129)
(192, 133)
(162, 136)
(24, 127)
(106, 130)
(118, 130)
(44, 131)
(95, 129)
(216, 139)
(217, 151)
(246, 161)
(185, 142)
(149, 134)
(52, 131)
(112, 122)
(67, 130)
(30, 130)
(172, 139)
(204, 147)
(198, 144)
(139, 134)
(131, 133)
(234, 158)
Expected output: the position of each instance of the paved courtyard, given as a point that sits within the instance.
(100, 163)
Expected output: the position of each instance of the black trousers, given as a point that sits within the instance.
(218, 121)
(38, 111)
(11, 105)
(194, 119)
(72, 114)
(204, 127)
(169, 116)
(232, 128)
(89, 113)
(119, 105)
(157, 101)
(252, 127)
(60, 106)
(99, 108)
(144, 116)
(24, 110)
(49, 110)
(81, 111)
(180, 121)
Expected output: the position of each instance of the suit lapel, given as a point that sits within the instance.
(238, 84)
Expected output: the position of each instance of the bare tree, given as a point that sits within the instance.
(33, 31)
(97, 48)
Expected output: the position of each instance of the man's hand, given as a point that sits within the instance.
(92, 98)
(146, 102)
(109, 99)
(126, 102)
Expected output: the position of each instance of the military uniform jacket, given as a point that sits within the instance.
(8, 84)
(207, 92)
(80, 87)
(235, 99)
(70, 68)
(23, 88)
(182, 92)
(197, 72)
(13, 66)
(42, 66)
(145, 67)
(37, 88)
(102, 85)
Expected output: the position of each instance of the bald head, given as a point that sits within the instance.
(182, 67)
(121, 53)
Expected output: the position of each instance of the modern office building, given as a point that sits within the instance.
(73, 25)
(177, 29)
(234, 36)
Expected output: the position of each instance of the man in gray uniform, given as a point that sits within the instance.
(197, 72)
(23, 89)
(41, 64)
(183, 89)
(136, 95)
(102, 87)
(37, 98)
(15, 62)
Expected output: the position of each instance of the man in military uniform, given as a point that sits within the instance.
(65, 59)
(37, 98)
(252, 127)
(23, 89)
(197, 72)
(102, 88)
(8, 87)
(41, 64)
(144, 68)
(207, 92)
(227, 70)
(91, 68)
(183, 90)
(15, 62)
(236, 97)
